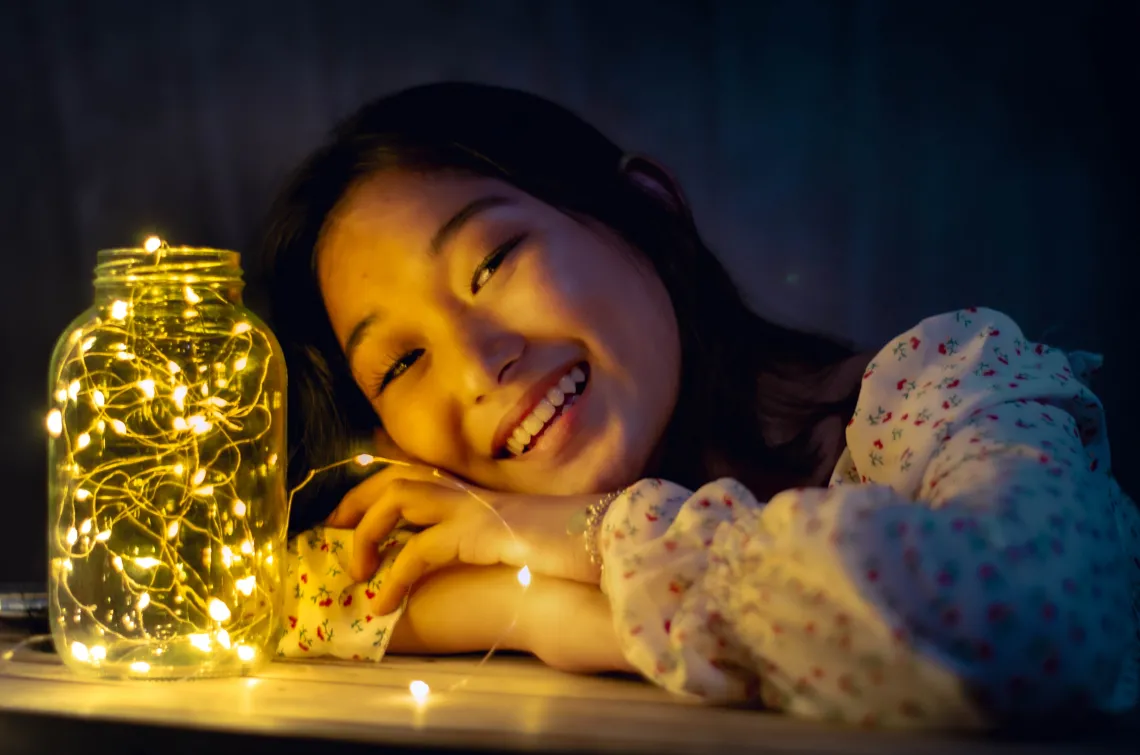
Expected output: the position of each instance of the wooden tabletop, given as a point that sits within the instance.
(506, 704)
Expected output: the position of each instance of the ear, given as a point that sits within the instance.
(655, 179)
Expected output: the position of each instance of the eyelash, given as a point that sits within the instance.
(398, 364)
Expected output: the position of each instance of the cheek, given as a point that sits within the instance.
(572, 289)
(419, 424)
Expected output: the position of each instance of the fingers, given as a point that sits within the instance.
(361, 498)
(427, 552)
(415, 501)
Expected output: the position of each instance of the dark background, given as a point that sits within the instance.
(859, 165)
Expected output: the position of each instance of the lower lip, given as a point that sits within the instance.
(558, 435)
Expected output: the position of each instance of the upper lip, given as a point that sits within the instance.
(525, 405)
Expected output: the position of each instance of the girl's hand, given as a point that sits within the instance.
(479, 528)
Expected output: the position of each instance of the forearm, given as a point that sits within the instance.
(467, 609)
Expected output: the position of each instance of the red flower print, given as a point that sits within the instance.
(989, 373)
(668, 625)
(941, 348)
(995, 332)
(304, 579)
(347, 600)
(872, 575)
(675, 587)
(292, 622)
(901, 384)
(370, 594)
(818, 673)
(324, 545)
(367, 618)
(303, 646)
(914, 342)
(650, 516)
(320, 634)
(704, 503)
(878, 444)
(325, 603)
(954, 383)
(728, 501)
(886, 417)
(670, 545)
(635, 631)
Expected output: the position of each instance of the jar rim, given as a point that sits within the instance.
(136, 263)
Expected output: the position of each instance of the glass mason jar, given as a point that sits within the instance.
(166, 488)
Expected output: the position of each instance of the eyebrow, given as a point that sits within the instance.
(442, 237)
(448, 230)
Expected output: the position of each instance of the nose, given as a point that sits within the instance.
(484, 353)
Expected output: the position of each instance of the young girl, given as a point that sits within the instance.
(924, 535)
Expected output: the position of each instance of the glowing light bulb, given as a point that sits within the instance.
(245, 585)
(83, 441)
(246, 653)
(239, 508)
(524, 576)
(420, 690)
(147, 387)
(242, 327)
(219, 611)
(152, 243)
(119, 309)
(365, 459)
(55, 423)
(140, 667)
(79, 652)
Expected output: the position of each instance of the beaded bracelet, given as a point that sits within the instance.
(594, 516)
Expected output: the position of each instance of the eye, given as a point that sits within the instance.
(398, 366)
(492, 261)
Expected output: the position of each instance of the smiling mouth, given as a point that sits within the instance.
(547, 412)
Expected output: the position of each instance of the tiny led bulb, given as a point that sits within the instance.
(364, 459)
(419, 690)
(524, 576)
(152, 243)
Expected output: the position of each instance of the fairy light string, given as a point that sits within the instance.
(168, 532)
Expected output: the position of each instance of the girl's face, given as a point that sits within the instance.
(498, 338)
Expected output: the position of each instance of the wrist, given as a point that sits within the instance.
(550, 538)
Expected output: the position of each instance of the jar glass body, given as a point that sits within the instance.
(166, 488)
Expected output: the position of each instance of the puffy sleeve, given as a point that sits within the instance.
(325, 612)
(972, 557)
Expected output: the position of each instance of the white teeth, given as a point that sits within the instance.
(532, 424)
(544, 411)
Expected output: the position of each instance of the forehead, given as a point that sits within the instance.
(377, 242)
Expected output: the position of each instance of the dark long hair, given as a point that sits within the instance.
(738, 369)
